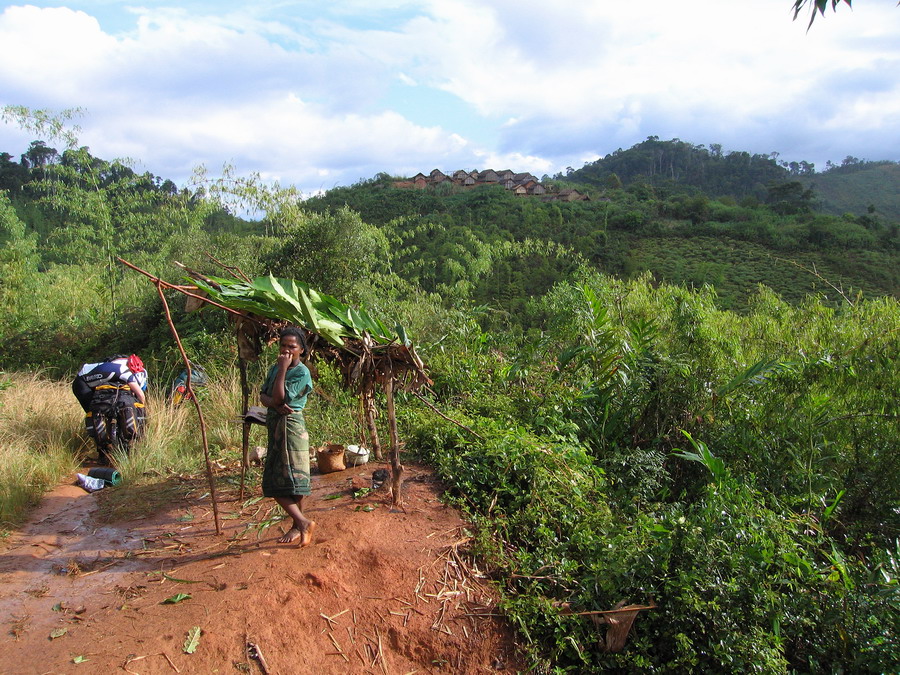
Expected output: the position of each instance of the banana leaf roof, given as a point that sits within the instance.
(364, 349)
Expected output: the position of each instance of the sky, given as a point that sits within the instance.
(319, 94)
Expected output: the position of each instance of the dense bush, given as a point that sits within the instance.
(740, 472)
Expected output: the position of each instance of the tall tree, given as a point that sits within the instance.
(39, 155)
(18, 261)
(12, 174)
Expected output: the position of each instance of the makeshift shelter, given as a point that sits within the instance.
(364, 350)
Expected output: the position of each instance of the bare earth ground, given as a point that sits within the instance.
(81, 596)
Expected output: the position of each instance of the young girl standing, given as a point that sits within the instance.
(286, 473)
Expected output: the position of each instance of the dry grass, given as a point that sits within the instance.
(170, 443)
(40, 440)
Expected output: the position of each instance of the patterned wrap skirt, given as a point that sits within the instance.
(286, 473)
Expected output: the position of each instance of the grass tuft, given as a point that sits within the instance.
(41, 440)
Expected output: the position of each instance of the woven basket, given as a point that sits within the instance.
(331, 458)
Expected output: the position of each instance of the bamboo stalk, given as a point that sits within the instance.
(180, 289)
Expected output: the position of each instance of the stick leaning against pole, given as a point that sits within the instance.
(159, 283)
(190, 394)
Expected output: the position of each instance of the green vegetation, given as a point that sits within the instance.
(867, 188)
(734, 469)
(686, 395)
(39, 443)
(489, 247)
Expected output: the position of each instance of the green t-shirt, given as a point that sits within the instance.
(297, 385)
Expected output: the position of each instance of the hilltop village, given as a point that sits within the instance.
(521, 184)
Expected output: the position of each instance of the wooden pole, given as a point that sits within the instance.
(368, 402)
(190, 394)
(245, 435)
(396, 466)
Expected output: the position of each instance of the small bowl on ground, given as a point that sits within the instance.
(355, 455)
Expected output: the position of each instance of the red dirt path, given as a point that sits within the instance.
(402, 596)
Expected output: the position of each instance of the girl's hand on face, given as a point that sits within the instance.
(284, 361)
(290, 349)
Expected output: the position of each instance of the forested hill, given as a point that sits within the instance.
(677, 163)
(859, 187)
(853, 186)
(502, 248)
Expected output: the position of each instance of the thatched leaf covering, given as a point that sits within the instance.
(294, 301)
(361, 346)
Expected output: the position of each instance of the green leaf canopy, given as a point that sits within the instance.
(294, 301)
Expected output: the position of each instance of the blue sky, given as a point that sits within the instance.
(319, 94)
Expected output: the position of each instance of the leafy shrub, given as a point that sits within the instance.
(771, 551)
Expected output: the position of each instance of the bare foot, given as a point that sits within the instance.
(291, 535)
(306, 539)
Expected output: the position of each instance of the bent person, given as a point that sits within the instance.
(111, 392)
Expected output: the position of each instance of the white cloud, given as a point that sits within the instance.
(179, 90)
(53, 54)
(711, 66)
(299, 91)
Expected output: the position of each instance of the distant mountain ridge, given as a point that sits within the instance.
(677, 163)
(865, 185)
(851, 187)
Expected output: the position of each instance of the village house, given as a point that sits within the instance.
(520, 184)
